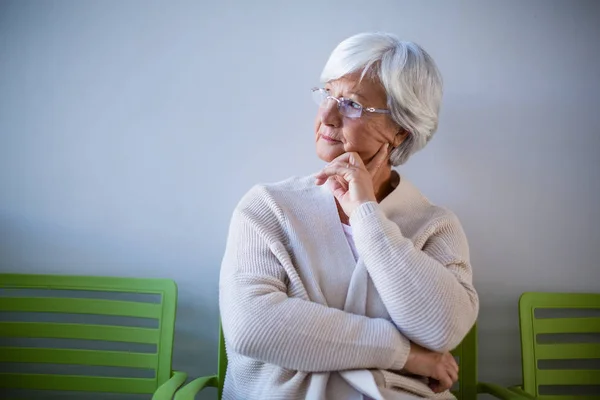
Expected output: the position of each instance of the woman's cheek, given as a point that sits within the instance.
(364, 147)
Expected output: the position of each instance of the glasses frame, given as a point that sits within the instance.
(339, 101)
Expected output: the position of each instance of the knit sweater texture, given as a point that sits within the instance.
(302, 318)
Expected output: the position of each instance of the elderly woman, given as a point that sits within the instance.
(350, 284)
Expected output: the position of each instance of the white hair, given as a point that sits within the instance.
(409, 76)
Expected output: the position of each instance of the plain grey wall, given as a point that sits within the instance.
(129, 131)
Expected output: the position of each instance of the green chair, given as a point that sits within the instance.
(468, 385)
(189, 391)
(466, 353)
(72, 297)
(541, 344)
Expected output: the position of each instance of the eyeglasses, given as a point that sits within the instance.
(347, 107)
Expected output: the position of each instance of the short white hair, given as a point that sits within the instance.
(409, 76)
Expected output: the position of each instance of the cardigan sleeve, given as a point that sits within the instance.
(265, 319)
(428, 293)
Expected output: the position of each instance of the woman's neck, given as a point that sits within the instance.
(384, 182)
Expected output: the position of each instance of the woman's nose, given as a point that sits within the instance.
(330, 114)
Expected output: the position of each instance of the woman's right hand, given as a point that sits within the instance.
(440, 368)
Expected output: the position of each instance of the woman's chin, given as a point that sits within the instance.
(328, 152)
(328, 156)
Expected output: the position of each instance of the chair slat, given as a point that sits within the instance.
(94, 283)
(567, 351)
(558, 300)
(79, 357)
(79, 331)
(567, 377)
(80, 306)
(567, 325)
(77, 383)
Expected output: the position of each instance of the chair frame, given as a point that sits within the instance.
(162, 386)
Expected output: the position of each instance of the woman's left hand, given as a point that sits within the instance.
(350, 180)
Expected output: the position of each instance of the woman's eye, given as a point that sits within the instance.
(355, 105)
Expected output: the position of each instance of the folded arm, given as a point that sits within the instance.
(262, 322)
(428, 293)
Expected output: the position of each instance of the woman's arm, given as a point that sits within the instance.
(262, 322)
(428, 293)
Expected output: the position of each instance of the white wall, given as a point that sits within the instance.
(129, 130)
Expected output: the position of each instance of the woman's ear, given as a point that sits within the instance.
(400, 137)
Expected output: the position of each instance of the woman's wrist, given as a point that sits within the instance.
(402, 353)
(364, 209)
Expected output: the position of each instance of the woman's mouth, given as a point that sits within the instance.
(329, 139)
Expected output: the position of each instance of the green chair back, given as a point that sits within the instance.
(545, 338)
(222, 363)
(44, 299)
(465, 353)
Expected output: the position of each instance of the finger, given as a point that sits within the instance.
(453, 375)
(335, 169)
(320, 179)
(456, 368)
(452, 368)
(452, 364)
(449, 360)
(342, 182)
(336, 183)
(354, 160)
(336, 188)
(348, 157)
(439, 386)
(446, 383)
(378, 160)
(434, 385)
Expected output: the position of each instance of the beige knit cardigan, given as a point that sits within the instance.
(303, 319)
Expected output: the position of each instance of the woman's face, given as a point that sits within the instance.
(336, 134)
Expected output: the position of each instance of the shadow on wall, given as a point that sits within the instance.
(196, 338)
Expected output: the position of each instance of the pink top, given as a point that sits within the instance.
(348, 232)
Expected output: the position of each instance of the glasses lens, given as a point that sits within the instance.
(350, 109)
(319, 96)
